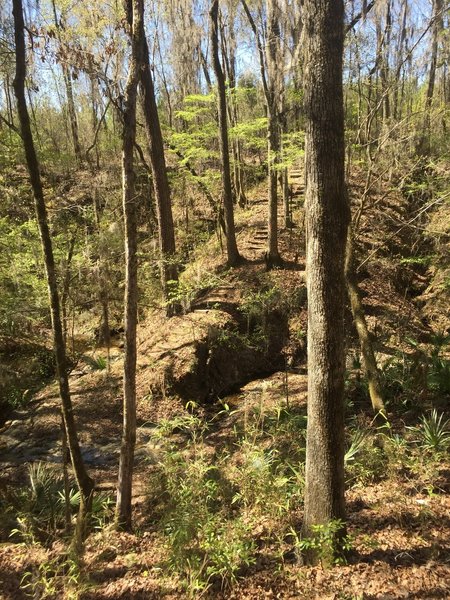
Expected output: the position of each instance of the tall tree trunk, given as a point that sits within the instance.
(232, 250)
(102, 275)
(284, 181)
(274, 100)
(169, 270)
(327, 218)
(84, 482)
(229, 61)
(384, 67)
(399, 59)
(134, 10)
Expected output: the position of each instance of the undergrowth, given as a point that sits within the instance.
(218, 506)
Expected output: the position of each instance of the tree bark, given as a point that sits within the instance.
(274, 100)
(229, 61)
(84, 482)
(169, 270)
(327, 218)
(233, 255)
(124, 486)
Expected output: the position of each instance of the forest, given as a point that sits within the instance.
(224, 299)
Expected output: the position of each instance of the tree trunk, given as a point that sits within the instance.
(169, 270)
(95, 121)
(66, 286)
(229, 60)
(286, 198)
(274, 101)
(273, 147)
(134, 9)
(232, 250)
(84, 482)
(368, 354)
(327, 218)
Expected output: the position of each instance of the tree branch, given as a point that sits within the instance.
(358, 17)
(10, 125)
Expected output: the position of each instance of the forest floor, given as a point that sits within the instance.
(398, 517)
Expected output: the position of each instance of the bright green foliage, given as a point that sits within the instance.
(433, 432)
(325, 542)
(55, 578)
(195, 142)
(365, 460)
(40, 508)
(251, 133)
(23, 291)
(293, 149)
(205, 543)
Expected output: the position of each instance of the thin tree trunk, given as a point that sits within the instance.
(134, 9)
(368, 354)
(232, 250)
(327, 218)
(273, 148)
(274, 101)
(384, 67)
(66, 286)
(95, 120)
(229, 59)
(286, 198)
(9, 107)
(84, 482)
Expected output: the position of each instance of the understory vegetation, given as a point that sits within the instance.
(226, 494)
(180, 300)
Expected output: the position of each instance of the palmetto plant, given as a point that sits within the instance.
(358, 439)
(433, 432)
